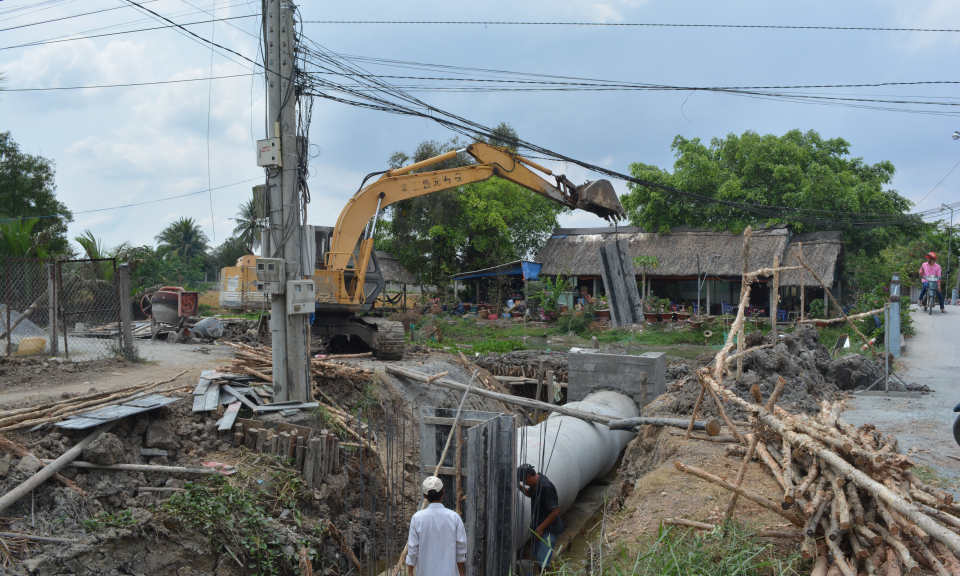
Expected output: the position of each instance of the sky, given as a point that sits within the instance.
(129, 145)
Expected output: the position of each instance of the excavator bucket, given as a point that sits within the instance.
(600, 198)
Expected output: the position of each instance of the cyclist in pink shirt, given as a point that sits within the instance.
(931, 268)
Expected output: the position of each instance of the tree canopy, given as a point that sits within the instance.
(28, 190)
(183, 238)
(796, 170)
(466, 228)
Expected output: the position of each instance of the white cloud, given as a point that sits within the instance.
(932, 14)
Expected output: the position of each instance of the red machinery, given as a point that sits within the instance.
(169, 307)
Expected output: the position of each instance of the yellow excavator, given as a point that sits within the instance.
(348, 277)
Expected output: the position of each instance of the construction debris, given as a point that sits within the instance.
(850, 492)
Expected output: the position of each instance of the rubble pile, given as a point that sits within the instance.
(524, 364)
(810, 373)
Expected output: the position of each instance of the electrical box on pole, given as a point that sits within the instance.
(270, 269)
(301, 297)
(268, 153)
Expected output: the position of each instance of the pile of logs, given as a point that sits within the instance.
(258, 361)
(60, 410)
(854, 500)
(523, 366)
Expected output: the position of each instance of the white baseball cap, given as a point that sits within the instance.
(432, 483)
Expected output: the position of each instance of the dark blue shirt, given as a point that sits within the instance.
(543, 500)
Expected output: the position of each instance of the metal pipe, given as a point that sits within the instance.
(571, 451)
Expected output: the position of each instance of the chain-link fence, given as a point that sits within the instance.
(67, 308)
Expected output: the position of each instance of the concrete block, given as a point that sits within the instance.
(591, 370)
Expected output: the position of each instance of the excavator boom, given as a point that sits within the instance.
(340, 281)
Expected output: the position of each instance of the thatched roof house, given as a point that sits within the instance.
(573, 252)
(392, 271)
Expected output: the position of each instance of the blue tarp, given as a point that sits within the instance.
(527, 270)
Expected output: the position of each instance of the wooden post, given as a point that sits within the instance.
(775, 296)
(125, 314)
(551, 392)
(707, 312)
(52, 295)
(802, 290)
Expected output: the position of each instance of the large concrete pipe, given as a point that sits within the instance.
(572, 452)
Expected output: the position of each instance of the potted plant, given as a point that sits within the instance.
(683, 313)
(601, 310)
(650, 313)
(666, 315)
(435, 306)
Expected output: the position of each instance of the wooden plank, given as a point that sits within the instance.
(277, 408)
(229, 417)
(212, 397)
(201, 388)
(229, 390)
(199, 403)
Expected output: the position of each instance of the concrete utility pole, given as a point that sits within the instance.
(289, 332)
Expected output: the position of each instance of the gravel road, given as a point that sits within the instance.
(163, 360)
(923, 425)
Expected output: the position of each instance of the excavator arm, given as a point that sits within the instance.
(597, 197)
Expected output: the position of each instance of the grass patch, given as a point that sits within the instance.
(675, 551)
(238, 514)
(106, 520)
(930, 476)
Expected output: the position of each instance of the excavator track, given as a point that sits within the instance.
(389, 342)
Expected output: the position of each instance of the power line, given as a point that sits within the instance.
(130, 84)
(172, 25)
(66, 17)
(938, 184)
(629, 24)
(137, 203)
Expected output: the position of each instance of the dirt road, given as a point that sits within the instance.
(923, 425)
(163, 360)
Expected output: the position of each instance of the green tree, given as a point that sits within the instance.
(227, 253)
(28, 190)
(247, 228)
(797, 170)
(183, 238)
(469, 227)
(645, 262)
(19, 239)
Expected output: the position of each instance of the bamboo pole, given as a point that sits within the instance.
(696, 411)
(752, 496)
(750, 451)
(46, 472)
(17, 450)
(744, 293)
(803, 295)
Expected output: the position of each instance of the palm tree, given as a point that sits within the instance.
(184, 238)
(20, 241)
(247, 228)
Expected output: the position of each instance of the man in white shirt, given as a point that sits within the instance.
(437, 544)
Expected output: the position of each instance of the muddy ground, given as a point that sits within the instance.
(152, 539)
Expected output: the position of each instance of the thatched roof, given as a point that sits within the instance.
(820, 252)
(573, 251)
(392, 270)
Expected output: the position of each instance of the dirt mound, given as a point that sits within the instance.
(237, 330)
(799, 357)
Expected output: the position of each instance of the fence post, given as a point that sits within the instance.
(52, 300)
(125, 319)
(893, 326)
